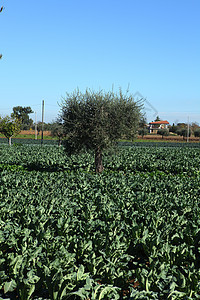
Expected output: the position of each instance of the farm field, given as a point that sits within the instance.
(23, 137)
(132, 232)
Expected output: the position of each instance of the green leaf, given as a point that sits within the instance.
(10, 286)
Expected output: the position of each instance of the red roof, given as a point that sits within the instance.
(159, 122)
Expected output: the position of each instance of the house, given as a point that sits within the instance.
(155, 126)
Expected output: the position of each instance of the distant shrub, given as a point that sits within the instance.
(163, 132)
(183, 132)
(197, 132)
(142, 132)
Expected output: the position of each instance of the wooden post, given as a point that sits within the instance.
(42, 121)
(35, 126)
(188, 130)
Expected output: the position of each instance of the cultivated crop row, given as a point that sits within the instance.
(132, 232)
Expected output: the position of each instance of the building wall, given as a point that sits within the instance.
(154, 128)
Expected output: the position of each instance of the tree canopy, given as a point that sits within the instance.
(96, 120)
(184, 132)
(10, 127)
(22, 113)
(143, 131)
(197, 132)
(157, 119)
(163, 132)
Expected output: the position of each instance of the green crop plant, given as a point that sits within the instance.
(129, 233)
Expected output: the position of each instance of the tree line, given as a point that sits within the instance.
(180, 129)
(19, 120)
(89, 121)
(92, 121)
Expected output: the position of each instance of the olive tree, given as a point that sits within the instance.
(10, 127)
(163, 132)
(96, 120)
(183, 132)
(143, 131)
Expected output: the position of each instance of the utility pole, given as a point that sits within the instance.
(42, 121)
(35, 126)
(188, 130)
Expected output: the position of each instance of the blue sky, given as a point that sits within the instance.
(53, 47)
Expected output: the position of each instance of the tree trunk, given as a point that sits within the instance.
(9, 141)
(98, 161)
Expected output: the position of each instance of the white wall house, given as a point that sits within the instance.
(155, 126)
